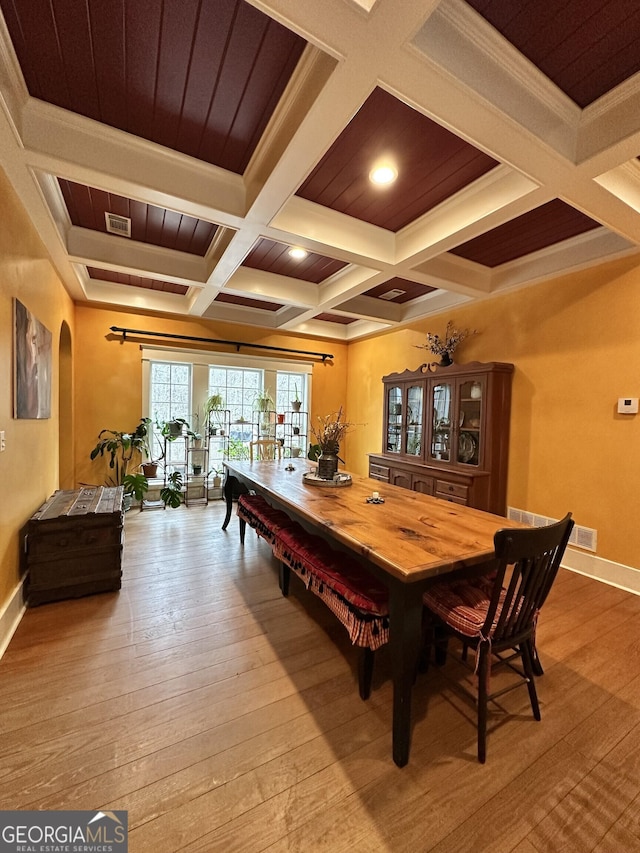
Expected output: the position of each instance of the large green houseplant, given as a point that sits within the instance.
(124, 452)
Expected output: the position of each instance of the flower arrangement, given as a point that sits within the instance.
(445, 346)
(331, 430)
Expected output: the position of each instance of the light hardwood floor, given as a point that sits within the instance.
(224, 717)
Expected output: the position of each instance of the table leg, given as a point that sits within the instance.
(405, 617)
(230, 483)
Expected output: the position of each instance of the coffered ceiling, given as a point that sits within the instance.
(219, 134)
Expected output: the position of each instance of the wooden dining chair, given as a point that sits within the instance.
(496, 614)
(265, 448)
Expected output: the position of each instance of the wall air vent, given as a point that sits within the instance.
(118, 224)
(392, 294)
(581, 537)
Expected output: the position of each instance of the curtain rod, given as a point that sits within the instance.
(237, 344)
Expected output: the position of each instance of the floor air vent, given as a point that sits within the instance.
(118, 224)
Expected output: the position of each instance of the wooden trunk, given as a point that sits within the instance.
(74, 544)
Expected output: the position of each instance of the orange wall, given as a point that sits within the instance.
(108, 374)
(575, 343)
(29, 465)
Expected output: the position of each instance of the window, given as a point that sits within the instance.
(178, 384)
(238, 388)
(170, 398)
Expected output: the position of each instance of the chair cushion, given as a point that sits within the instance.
(463, 604)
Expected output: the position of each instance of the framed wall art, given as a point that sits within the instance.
(31, 365)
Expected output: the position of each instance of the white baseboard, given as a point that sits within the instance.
(11, 615)
(615, 574)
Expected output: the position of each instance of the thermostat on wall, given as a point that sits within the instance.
(627, 405)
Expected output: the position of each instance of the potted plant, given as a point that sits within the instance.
(173, 428)
(123, 451)
(195, 434)
(217, 477)
(150, 467)
(213, 408)
(445, 346)
(171, 494)
(328, 435)
(264, 402)
(136, 486)
(296, 402)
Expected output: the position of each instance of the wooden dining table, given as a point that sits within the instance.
(408, 542)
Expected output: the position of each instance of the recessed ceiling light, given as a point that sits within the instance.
(383, 174)
(298, 254)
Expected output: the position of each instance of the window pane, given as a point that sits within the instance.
(170, 398)
(238, 388)
(289, 388)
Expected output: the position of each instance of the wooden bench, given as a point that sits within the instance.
(354, 596)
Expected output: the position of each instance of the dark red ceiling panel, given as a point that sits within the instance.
(545, 226)
(412, 290)
(199, 76)
(335, 318)
(274, 257)
(586, 47)
(137, 281)
(432, 164)
(247, 302)
(149, 224)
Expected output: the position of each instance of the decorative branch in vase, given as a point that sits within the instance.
(328, 435)
(445, 346)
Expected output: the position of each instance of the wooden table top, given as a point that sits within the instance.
(411, 536)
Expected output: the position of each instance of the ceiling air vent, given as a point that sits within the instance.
(118, 224)
(392, 294)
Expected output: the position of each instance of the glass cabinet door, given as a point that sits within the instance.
(413, 423)
(393, 426)
(472, 394)
(441, 427)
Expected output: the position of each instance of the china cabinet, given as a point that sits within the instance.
(446, 433)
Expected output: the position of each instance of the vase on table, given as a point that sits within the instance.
(328, 462)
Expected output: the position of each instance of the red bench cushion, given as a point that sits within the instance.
(262, 517)
(358, 599)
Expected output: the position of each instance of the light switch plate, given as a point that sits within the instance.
(3, 443)
(627, 405)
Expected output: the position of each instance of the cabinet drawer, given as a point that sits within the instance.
(379, 472)
(451, 491)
